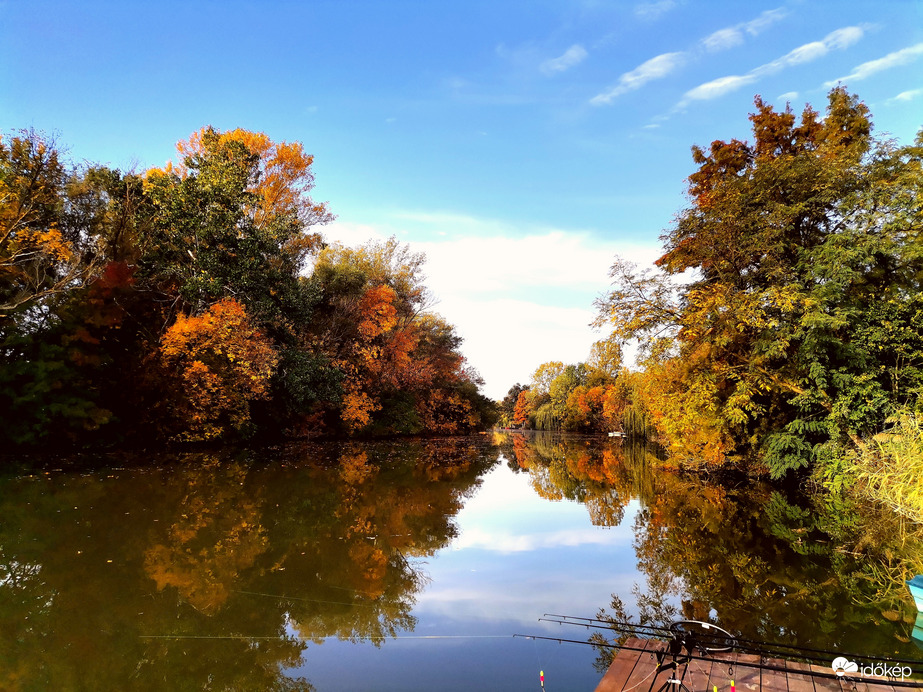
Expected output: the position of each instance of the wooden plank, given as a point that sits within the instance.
(722, 671)
(646, 670)
(748, 677)
(637, 670)
(698, 675)
(774, 680)
(626, 661)
(620, 669)
(825, 684)
(798, 679)
(879, 685)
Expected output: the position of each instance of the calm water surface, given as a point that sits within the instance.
(411, 565)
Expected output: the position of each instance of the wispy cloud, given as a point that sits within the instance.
(732, 36)
(723, 39)
(655, 68)
(867, 69)
(662, 65)
(756, 26)
(574, 55)
(718, 87)
(836, 40)
(905, 96)
(654, 10)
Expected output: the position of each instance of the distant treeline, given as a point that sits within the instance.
(782, 328)
(198, 302)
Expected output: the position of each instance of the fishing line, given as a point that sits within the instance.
(757, 646)
(307, 600)
(538, 661)
(343, 588)
(332, 636)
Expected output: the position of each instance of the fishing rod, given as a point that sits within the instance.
(660, 654)
(751, 645)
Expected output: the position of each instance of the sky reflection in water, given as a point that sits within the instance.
(517, 556)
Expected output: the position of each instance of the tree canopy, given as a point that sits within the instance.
(199, 301)
(785, 319)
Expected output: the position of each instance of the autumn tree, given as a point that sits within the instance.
(198, 301)
(524, 407)
(213, 235)
(67, 232)
(234, 219)
(604, 362)
(792, 241)
(402, 368)
(43, 250)
(282, 184)
(507, 407)
(222, 363)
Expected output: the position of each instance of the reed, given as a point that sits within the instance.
(891, 470)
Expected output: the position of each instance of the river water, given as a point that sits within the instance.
(412, 565)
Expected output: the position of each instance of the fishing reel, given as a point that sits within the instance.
(689, 636)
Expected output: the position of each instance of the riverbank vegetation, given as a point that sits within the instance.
(199, 302)
(782, 328)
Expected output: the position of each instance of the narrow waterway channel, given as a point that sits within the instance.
(411, 565)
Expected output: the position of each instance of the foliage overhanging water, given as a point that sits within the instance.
(410, 565)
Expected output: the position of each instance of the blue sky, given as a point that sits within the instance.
(520, 145)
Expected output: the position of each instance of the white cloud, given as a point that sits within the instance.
(756, 26)
(788, 96)
(662, 65)
(905, 96)
(844, 38)
(518, 298)
(655, 68)
(806, 53)
(654, 10)
(867, 69)
(502, 541)
(723, 39)
(734, 35)
(718, 87)
(836, 40)
(573, 56)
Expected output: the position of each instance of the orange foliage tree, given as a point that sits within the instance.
(403, 372)
(523, 407)
(222, 362)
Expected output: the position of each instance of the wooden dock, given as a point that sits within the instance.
(635, 670)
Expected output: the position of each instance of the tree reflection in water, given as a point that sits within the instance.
(806, 569)
(217, 571)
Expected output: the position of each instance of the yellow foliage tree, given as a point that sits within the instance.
(37, 259)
